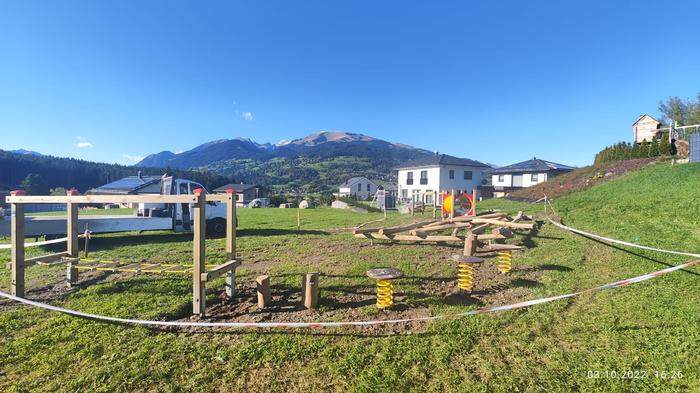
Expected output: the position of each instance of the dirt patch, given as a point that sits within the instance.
(413, 295)
(582, 179)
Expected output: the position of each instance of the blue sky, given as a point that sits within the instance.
(498, 83)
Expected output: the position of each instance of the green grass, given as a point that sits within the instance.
(647, 328)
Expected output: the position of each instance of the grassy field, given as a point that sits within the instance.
(643, 337)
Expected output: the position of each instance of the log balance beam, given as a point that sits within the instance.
(199, 198)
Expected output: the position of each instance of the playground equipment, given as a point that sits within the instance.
(385, 290)
(465, 271)
(504, 261)
(196, 202)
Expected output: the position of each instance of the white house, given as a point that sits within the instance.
(359, 187)
(524, 174)
(646, 128)
(441, 172)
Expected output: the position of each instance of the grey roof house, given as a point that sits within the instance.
(524, 174)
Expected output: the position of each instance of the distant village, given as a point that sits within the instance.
(418, 183)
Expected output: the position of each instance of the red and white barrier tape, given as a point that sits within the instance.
(35, 244)
(610, 240)
(41, 243)
(483, 310)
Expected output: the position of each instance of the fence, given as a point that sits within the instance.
(695, 147)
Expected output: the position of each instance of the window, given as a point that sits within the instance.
(534, 177)
(404, 193)
(467, 175)
(183, 189)
(501, 178)
(452, 173)
(409, 178)
(359, 186)
(429, 197)
(423, 177)
(367, 187)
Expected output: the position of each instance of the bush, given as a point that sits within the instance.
(627, 151)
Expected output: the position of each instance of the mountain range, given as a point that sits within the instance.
(317, 162)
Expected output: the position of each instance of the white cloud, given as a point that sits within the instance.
(131, 158)
(247, 116)
(82, 143)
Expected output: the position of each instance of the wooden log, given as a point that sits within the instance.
(436, 228)
(500, 247)
(480, 228)
(17, 250)
(199, 255)
(263, 290)
(403, 228)
(411, 238)
(310, 291)
(502, 223)
(470, 244)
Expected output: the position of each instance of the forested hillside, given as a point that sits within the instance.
(51, 172)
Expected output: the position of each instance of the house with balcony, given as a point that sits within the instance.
(507, 179)
(419, 180)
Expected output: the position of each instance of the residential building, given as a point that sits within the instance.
(419, 180)
(646, 128)
(359, 187)
(524, 174)
(245, 193)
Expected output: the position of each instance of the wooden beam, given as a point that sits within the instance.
(219, 270)
(502, 223)
(72, 234)
(410, 238)
(145, 198)
(17, 251)
(199, 255)
(500, 247)
(436, 228)
(403, 228)
(231, 223)
(45, 258)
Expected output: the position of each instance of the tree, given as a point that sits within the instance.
(685, 112)
(58, 191)
(34, 184)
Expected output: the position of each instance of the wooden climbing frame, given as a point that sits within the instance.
(200, 274)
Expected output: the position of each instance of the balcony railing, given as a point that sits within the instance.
(409, 182)
(424, 181)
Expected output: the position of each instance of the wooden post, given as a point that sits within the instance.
(298, 218)
(17, 240)
(474, 190)
(413, 205)
(72, 234)
(231, 241)
(263, 288)
(310, 291)
(470, 244)
(199, 254)
(452, 206)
